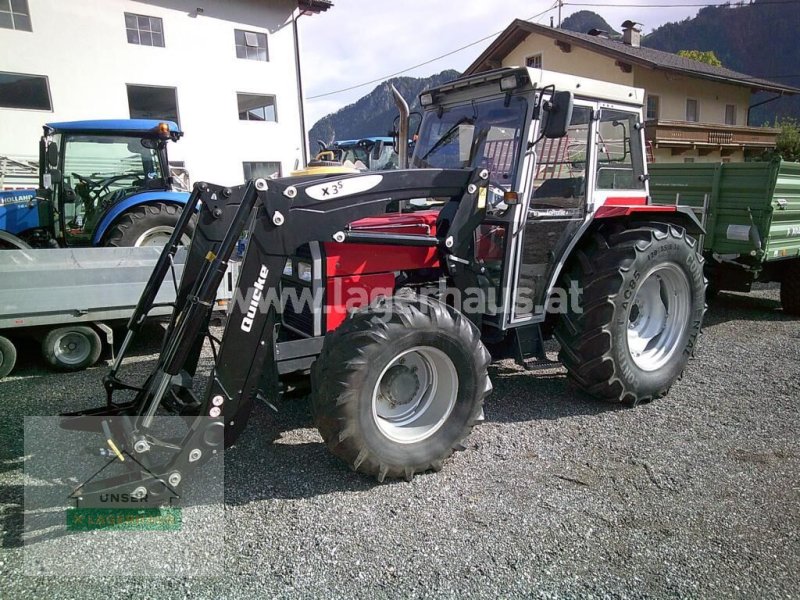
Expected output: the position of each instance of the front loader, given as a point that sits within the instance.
(525, 215)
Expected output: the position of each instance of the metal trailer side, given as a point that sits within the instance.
(42, 290)
(753, 216)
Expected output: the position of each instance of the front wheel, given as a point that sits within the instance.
(399, 386)
(641, 309)
(147, 225)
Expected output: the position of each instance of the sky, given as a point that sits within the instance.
(360, 40)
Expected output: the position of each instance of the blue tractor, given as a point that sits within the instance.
(101, 183)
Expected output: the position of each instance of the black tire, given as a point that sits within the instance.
(8, 356)
(790, 289)
(135, 223)
(71, 348)
(613, 269)
(357, 357)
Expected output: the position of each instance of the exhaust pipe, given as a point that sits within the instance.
(402, 134)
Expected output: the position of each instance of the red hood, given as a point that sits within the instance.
(417, 223)
(352, 259)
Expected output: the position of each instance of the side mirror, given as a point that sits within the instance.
(52, 154)
(559, 114)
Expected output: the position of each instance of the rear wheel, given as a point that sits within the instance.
(640, 314)
(398, 387)
(147, 225)
(8, 356)
(71, 348)
(790, 289)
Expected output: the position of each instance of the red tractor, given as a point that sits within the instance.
(525, 215)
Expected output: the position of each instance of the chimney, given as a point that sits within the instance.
(631, 33)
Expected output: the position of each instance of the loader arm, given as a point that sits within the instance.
(289, 212)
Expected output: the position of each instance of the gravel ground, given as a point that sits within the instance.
(696, 495)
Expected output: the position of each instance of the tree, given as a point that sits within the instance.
(788, 143)
(702, 56)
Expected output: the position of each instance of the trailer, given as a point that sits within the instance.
(70, 299)
(752, 220)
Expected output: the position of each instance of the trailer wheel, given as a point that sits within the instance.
(399, 386)
(71, 348)
(790, 289)
(8, 356)
(147, 225)
(640, 314)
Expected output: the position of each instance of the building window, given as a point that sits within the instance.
(730, 114)
(534, 62)
(144, 30)
(253, 107)
(688, 160)
(254, 170)
(692, 112)
(251, 45)
(150, 102)
(652, 108)
(24, 91)
(14, 14)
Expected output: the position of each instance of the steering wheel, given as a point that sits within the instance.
(98, 188)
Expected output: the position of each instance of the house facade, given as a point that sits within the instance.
(227, 72)
(694, 112)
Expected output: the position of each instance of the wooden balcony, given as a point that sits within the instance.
(708, 137)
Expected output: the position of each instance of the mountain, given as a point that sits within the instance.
(759, 39)
(584, 20)
(374, 114)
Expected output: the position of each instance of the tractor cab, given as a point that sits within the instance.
(91, 172)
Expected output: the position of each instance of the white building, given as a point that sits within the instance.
(227, 70)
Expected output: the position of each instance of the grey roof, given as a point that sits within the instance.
(515, 33)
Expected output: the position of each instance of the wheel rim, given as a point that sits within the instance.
(415, 394)
(658, 317)
(159, 236)
(72, 348)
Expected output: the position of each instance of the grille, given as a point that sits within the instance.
(299, 318)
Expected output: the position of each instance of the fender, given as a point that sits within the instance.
(678, 215)
(117, 209)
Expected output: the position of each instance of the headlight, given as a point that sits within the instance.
(304, 271)
(287, 268)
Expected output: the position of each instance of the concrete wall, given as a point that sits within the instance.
(577, 62)
(673, 90)
(81, 46)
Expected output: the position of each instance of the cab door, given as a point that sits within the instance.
(555, 211)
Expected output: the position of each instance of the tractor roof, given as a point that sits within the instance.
(580, 86)
(136, 126)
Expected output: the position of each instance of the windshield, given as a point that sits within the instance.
(479, 134)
